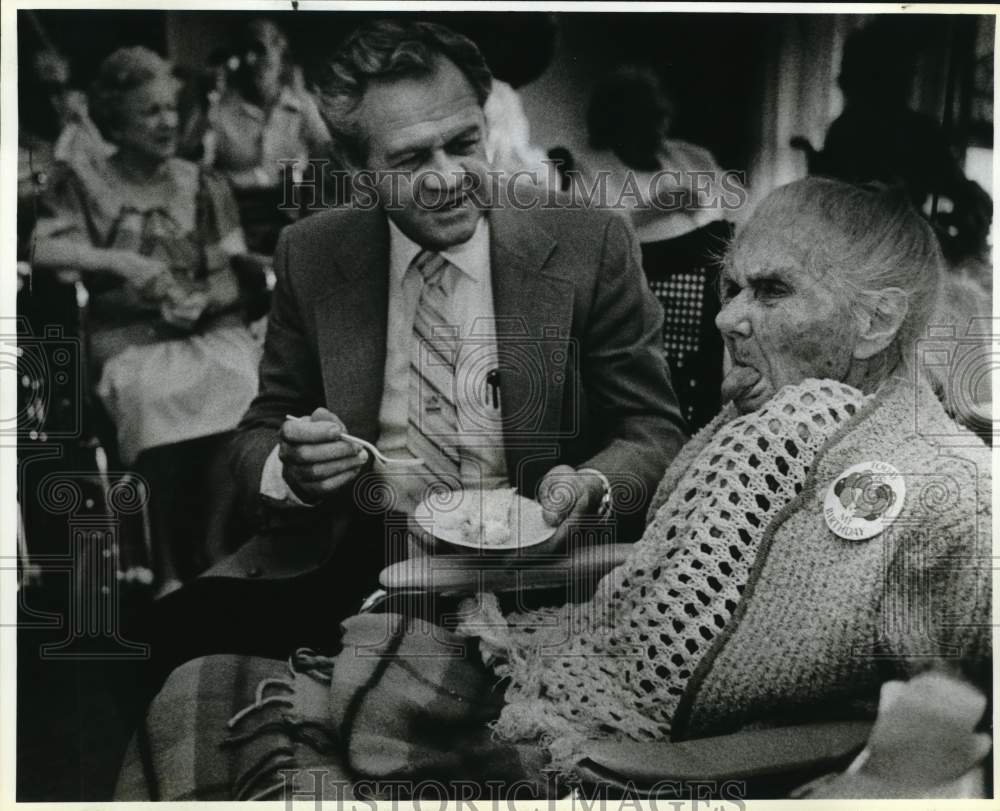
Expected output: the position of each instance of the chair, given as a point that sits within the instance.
(683, 274)
(57, 401)
(821, 757)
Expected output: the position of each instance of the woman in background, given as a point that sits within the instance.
(679, 201)
(153, 236)
(53, 126)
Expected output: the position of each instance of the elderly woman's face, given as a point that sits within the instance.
(781, 322)
(148, 120)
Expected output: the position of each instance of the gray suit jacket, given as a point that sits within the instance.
(582, 376)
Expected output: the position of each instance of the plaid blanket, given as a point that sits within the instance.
(402, 711)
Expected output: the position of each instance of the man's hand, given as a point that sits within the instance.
(567, 496)
(316, 462)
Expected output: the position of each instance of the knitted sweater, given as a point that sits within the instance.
(825, 621)
(796, 621)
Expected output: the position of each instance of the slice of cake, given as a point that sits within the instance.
(491, 524)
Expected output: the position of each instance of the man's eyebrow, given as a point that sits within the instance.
(415, 149)
(472, 129)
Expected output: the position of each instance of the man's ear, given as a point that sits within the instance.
(881, 322)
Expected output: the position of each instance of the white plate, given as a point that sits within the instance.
(530, 529)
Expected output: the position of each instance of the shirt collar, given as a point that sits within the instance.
(286, 99)
(471, 257)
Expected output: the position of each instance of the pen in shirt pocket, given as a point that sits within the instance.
(493, 388)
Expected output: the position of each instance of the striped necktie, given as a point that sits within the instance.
(433, 419)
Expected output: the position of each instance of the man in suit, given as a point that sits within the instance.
(517, 344)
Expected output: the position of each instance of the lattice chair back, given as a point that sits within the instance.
(683, 274)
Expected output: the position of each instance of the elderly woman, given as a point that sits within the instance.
(153, 236)
(827, 532)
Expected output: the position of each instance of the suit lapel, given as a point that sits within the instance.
(533, 305)
(351, 323)
(532, 301)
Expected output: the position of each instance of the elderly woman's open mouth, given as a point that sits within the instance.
(744, 385)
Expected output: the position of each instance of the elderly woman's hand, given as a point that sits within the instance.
(566, 496)
(149, 274)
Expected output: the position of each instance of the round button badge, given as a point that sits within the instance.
(864, 500)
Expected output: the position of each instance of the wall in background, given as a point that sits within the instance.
(743, 83)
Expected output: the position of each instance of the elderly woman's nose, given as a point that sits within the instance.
(733, 318)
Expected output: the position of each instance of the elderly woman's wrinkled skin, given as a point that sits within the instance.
(782, 322)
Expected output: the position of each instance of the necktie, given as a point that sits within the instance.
(433, 419)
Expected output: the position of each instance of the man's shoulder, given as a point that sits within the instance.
(564, 216)
(327, 227)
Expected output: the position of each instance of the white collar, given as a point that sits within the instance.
(471, 257)
(286, 99)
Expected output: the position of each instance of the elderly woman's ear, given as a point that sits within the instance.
(880, 322)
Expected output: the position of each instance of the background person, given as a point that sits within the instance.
(675, 195)
(263, 120)
(153, 236)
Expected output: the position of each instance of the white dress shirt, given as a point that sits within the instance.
(470, 297)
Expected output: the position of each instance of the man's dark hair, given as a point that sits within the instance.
(389, 49)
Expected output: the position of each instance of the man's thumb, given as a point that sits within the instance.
(557, 497)
(325, 415)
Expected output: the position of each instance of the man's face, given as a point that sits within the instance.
(262, 59)
(781, 322)
(426, 142)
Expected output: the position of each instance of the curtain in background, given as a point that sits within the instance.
(800, 94)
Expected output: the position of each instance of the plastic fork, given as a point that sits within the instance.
(386, 460)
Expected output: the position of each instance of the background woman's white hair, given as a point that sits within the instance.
(120, 73)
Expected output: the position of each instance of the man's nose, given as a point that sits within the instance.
(734, 319)
(444, 172)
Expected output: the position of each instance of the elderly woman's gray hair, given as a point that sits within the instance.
(862, 239)
(120, 73)
(390, 49)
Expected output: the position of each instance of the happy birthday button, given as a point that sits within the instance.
(864, 500)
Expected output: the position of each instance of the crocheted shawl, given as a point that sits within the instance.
(617, 665)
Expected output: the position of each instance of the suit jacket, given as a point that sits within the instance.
(582, 375)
